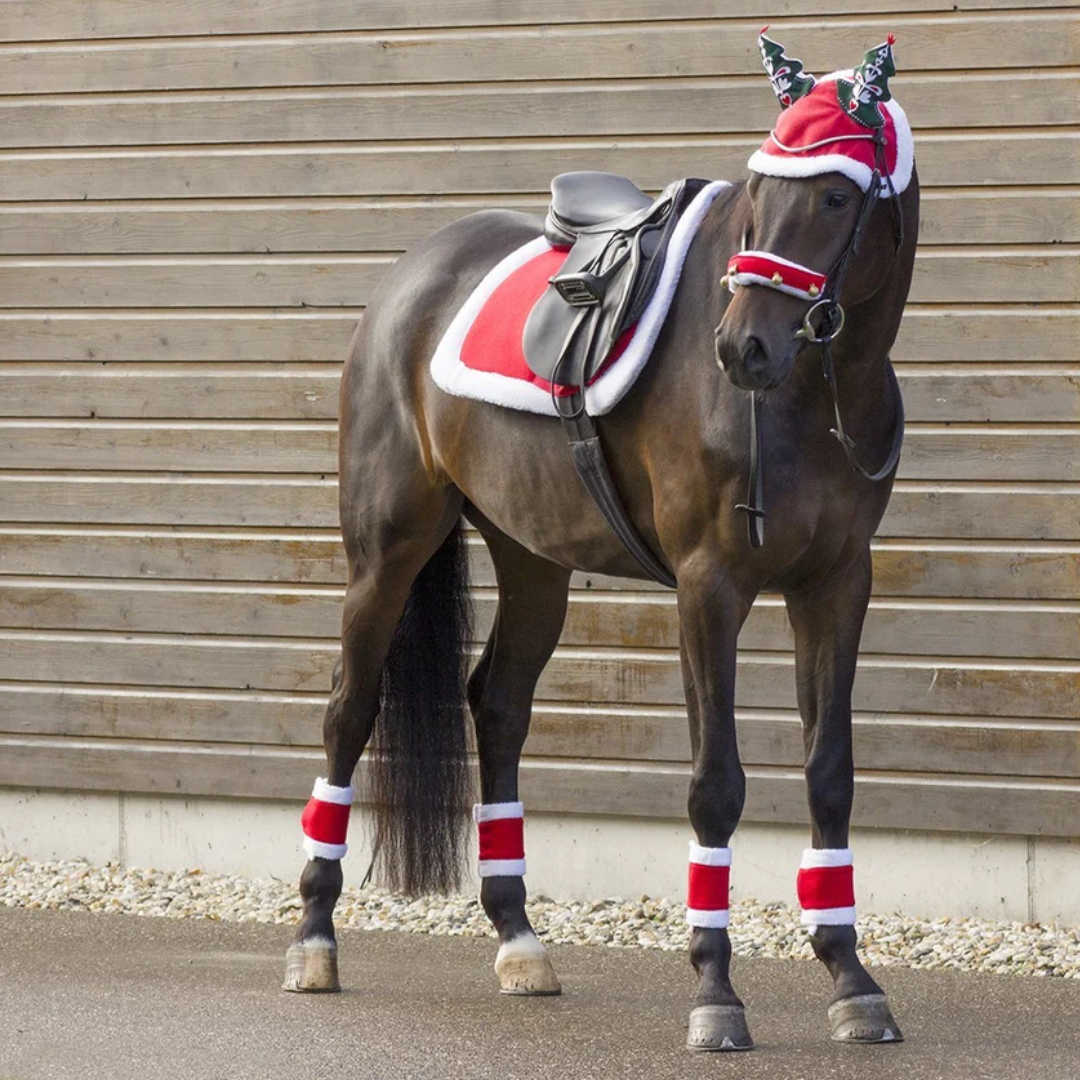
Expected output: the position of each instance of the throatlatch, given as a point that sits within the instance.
(325, 820)
(500, 831)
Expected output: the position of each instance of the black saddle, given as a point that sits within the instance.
(618, 237)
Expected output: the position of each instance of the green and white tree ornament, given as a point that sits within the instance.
(869, 86)
(786, 74)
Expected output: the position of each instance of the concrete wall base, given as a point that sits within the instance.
(935, 875)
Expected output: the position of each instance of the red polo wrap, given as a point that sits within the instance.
(798, 277)
(325, 821)
(501, 840)
(826, 887)
(707, 887)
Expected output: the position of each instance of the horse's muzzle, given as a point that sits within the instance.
(750, 364)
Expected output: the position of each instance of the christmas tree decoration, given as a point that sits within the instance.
(786, 74)
(868, 87)
(847, 122)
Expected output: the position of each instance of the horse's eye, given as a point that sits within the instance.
(837, 199)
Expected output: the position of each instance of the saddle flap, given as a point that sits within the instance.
(601, 289)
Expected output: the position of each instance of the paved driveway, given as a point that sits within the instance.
(94, 996)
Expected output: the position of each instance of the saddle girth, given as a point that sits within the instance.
(600, 293)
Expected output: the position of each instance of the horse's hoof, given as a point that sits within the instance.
(311, 967)
(523, 967)
(865, 1018)
(719, 1027)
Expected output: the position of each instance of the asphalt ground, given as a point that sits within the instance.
(111, 996)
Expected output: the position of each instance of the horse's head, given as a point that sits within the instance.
(823, 225)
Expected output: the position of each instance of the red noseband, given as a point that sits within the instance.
(761, 268)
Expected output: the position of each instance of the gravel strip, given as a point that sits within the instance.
(770, 930)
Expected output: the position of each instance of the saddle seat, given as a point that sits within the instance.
(617, 236)
(580, 200)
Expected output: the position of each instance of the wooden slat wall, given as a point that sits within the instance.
(196, 200)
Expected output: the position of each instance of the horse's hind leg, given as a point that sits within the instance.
(532, 606)
(828, 624)
(383, 566)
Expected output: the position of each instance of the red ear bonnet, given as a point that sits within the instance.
(832, 124)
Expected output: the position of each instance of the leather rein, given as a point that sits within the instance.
(823, 291)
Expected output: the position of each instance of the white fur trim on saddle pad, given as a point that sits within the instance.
(608, 390)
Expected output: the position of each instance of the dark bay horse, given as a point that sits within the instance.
(415, 461)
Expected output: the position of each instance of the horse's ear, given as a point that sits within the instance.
(788, 79)
(861, 96)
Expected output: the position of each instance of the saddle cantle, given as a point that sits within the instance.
(617, 237)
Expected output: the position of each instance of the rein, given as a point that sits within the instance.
(753, 268)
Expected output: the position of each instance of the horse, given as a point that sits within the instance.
(416, 463)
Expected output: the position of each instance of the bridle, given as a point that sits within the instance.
(823, 292)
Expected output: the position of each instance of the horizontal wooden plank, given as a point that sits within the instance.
(285, 557)
(506, 166)
(992, 394)
(930, 333)
(945, 686)
(978, 804)
(978, 570)
(920, 744)
(628, 619)
(235, 336)
(717, 47)
(918, 509)
(171, 446)
(190, 281)
(357, 225)
(500, 110)
(931, 451)
(42, 20)
(253, 392)
(1011, 275)
(955, 393)
(1007, 452)
(950, 276)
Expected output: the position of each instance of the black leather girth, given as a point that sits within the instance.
(588, 456)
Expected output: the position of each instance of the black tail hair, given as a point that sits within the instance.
(420, 775)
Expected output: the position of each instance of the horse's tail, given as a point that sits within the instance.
(420, 776)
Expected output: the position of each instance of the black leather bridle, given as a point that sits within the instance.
(831, 324)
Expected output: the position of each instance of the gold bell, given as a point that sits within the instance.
(813, 290)
(777, 279)
(724, 282)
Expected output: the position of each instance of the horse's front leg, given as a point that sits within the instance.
(711, 612)
(828, 624)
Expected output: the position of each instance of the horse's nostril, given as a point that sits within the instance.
(755, 356)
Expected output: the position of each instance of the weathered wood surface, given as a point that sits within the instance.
(930, 333)
(964, 570)
(652, 50)
(884, 800)
(179, 179)
(43, 20)
(626, 618)
(991, 394)
(957, 218)
(957, 510)
(503, 110)
(942, 276)
(920, 684)
(450, 167)
(658, 734)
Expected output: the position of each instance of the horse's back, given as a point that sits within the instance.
(413, 304)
